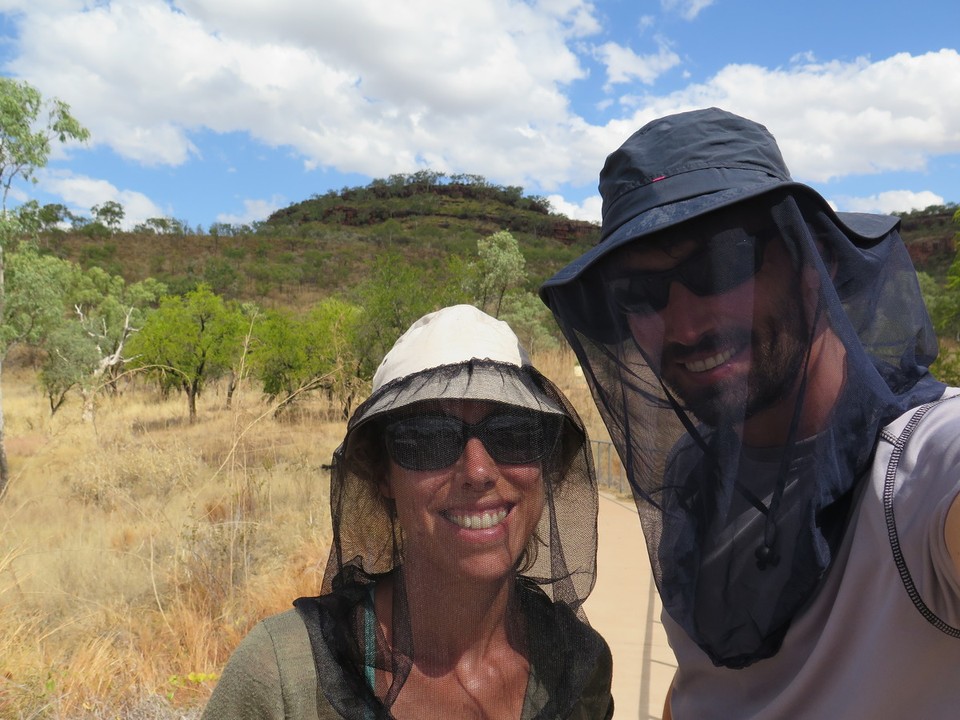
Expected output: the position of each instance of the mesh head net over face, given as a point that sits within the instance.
(480, 443)
(744, 362)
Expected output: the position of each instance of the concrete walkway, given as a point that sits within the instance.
(624, 607)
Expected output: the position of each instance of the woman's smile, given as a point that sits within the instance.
(477, 520)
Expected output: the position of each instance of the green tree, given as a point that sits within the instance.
(221, 276)
(52, 216)
(278, 356)
(71, 358)
(28, 127)
(395, 294)
(35, 298)
(189, 341)
(35, 219)
(108, 311)
(34, 311)
(163, 226)
(500, 268)
(943, 304)
(80, 319)
(531, 320)
(109, 214)
(337, 323)
(293, 353)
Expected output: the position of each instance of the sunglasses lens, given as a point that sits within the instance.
(432, 442)
(720, 265)
(642, 294)
(425, 442)
(724, 266)
(518, 438)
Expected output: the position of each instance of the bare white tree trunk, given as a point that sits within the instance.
(4, 470)
(114, 358)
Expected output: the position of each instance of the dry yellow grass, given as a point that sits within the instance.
(137, 550)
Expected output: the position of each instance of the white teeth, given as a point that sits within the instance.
(478, 522)
(709, 363)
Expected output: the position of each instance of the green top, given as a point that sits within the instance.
(272, 675)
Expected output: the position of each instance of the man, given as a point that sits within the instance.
(760, 362)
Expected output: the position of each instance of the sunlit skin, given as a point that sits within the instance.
(471, 649)
(736, 357)
(952, 533)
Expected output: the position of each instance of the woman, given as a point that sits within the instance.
(464, 511)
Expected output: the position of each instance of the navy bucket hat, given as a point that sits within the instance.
(682, 166)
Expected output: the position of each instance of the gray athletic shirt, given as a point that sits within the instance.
(862, 649)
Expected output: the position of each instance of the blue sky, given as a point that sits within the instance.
(225, 110)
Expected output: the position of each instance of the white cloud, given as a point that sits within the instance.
(624, 65)
(892, 201)
(485, 87)
(253, 211)
(687, 9)
(588, 210)
(837, 119)
(80, 193)
(363, 86)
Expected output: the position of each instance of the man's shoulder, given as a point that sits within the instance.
(946, 409)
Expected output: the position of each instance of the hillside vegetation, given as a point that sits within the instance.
(325, 245)
(354, 267)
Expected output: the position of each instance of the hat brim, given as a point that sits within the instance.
(656, 219)
(509, 388)
(863, 230)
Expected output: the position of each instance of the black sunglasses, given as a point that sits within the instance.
(432, 442)
(721, 264)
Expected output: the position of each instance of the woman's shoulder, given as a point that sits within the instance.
(571, 664)
(555, 618)
(285, 629)
(270, 674)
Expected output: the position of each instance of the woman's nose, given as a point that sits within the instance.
(477, 468)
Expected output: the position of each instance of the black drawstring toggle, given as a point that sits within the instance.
(767, 557)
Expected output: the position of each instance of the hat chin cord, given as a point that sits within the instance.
(766, 553)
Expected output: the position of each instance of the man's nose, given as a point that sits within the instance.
(686, 315)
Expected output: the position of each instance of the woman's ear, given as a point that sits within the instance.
(385, 489)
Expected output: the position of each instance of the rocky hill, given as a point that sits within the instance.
(324, 245)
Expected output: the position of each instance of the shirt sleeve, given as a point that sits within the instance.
(249, 687)
(930, 476)
(596, 702)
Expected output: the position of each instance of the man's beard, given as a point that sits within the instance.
(777, 351)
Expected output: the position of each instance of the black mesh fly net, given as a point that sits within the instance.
(362, 671)
(741, 530)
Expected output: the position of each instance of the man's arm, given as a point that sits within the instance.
(951, 533)
(667, 715)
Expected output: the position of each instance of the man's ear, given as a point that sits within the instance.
(828, 257)
(810, 290)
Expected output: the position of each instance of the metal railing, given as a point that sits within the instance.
(610, 473)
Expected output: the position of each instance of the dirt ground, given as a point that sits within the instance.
(624, 607)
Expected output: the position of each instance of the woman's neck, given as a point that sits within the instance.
(469, 649)
(450, 618)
